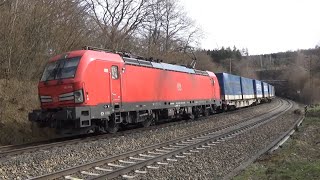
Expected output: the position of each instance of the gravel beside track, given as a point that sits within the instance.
(45, 161)
(217, 161)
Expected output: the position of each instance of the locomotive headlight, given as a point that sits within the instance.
(78, 96)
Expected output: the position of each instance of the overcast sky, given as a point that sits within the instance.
(262, 26)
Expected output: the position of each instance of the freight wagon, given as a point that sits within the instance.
(271, 91)
(257, 87)
(247, 88)
(265, 91)
(268, 92)
(236, 91)
(230, 90)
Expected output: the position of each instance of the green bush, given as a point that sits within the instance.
(314, 111)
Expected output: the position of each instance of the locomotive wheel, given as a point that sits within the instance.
(206, 113)
(195, 113)
(225, 108)
(191, 116)
(196, 116)
(113, 127)
(212, 111)
(147, 122)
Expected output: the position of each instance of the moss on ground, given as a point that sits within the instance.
(299, 158)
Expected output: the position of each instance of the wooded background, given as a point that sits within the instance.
(32, 31)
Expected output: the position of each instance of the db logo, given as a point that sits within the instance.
(67, 87)
(179, 87)
(55, 99)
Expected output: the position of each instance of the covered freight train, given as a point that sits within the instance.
(94, 90)
(237, 91)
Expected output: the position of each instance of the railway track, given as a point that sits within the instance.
(31, 147)
(154, 156)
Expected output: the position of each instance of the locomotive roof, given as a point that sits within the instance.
(151, 64)
(133, 61)
(164, 66)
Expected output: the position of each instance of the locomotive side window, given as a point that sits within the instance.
(114, 72)
(212, 81)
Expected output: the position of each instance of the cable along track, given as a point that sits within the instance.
(154, 156)
(31, 147)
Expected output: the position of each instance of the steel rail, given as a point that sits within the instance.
(30, 147)
(267, 150)
(203, 137)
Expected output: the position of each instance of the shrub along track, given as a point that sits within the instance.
(165, 152)
(30, 147)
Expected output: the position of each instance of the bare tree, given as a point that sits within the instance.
(175, 23)
(153, 28)
(168, 29)
(118, 19)
(32, 31)
(10, 39)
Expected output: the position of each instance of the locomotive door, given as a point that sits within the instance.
(213, 87)
(115, 85)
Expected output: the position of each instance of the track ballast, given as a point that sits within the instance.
(31, 147)
(163, 153)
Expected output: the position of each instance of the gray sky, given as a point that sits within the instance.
(262, 26)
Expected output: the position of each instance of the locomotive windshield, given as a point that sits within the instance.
(61, 69)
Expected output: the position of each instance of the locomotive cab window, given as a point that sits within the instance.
(114, 72)
(61, 69)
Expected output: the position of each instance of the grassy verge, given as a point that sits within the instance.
(299, 158)
(17, 99)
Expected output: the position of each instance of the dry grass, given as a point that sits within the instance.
(314, 111)
(17, 99)
(299, 158)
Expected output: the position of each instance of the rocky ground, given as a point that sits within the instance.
(299, 157)
(217, 161)
(54, 159)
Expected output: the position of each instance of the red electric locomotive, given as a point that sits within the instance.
(94, 90)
